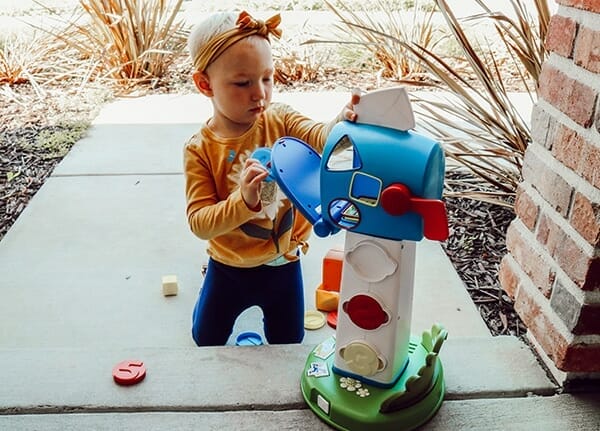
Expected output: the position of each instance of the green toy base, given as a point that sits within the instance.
(348, 404)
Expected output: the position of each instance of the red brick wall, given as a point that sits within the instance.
(552, 269)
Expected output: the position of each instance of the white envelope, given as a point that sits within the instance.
(387, 107)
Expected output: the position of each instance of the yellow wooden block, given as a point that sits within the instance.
(169, 285)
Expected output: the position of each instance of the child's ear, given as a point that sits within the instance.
(202, 82)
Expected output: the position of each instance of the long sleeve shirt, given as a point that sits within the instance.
(237, 235)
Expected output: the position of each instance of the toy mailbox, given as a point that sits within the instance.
(382, 184)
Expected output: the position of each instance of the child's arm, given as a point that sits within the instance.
(210, 215)
(348, 110)
(315, 133)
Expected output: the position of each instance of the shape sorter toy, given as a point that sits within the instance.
(382, 184)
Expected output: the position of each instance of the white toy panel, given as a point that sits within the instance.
(375, 308)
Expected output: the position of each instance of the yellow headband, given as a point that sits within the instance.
(246, 26)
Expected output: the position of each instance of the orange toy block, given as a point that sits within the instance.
(332, 269)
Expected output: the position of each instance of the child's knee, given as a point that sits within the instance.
(204, 338)
(281, 336)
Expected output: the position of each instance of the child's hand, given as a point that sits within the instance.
(348, 111)
(253, 173)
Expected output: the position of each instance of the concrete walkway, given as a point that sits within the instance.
(81, 291)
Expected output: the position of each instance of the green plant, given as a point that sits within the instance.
(128, 41)
(56, 141)
(384, 34)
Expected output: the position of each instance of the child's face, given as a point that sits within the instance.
(240, 85)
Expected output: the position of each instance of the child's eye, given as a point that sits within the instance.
(242, 83)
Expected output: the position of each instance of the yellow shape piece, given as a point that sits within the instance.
(362, 359)
(326, 300)
(314, 319)
(169, 285)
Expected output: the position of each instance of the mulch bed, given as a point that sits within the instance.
(22, 171)
(475, 247)
(32, 120)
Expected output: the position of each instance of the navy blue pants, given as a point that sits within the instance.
(228, 291)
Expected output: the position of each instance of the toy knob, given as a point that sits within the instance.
(397, 199)
(323, 229)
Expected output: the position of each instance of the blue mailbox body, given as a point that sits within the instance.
(361, 163)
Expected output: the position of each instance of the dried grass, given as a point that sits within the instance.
(382, 34)
(476, 121)
(133, 42)
(20, 60)
(298, 63)
(129, 42)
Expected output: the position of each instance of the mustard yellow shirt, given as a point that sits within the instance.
(237, 235)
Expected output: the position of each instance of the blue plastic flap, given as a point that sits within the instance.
(297, 169)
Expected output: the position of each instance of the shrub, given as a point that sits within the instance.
(128, 41)
(297, 63)
(478, 122)
(474, 118)
(20, 60)
(384, 32)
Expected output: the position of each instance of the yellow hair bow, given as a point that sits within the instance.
(245, 26)
(262, 28)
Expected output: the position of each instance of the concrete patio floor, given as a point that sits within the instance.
(81, 291)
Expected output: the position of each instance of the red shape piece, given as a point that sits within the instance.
(365, 312)
(129, 372)
(332, 318)
(397, 199)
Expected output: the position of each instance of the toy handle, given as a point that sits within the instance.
(397, 199)
(435, 221)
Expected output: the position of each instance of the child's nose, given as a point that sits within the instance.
(259, 92)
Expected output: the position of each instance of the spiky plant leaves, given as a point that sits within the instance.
(128, 42)
(478, 123)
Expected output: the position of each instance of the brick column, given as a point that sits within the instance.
(552, 269)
